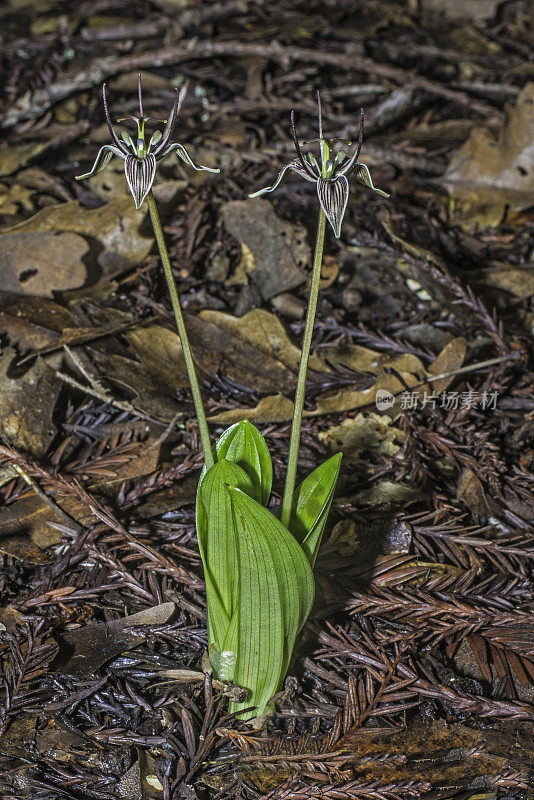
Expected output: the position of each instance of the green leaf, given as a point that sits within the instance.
(362, 175)
(275, 592)
(311, 504)
(244, 445)
(217, 542)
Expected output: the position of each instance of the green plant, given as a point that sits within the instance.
(140, 161)
(259, 580)
(330, 177)
(258, 565)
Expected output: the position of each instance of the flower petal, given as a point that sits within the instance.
(362, 175)
(294, 166)
(140, 174)
(182, 153)
(104, 156)
(333, 196)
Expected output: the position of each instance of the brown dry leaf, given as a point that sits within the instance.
(160, 351)
(248, 350)
(519, 282)
(362, 359)
(25, 532)
(26, 526)
(10, 619)
(20, 546)
(450, 359)
(329, 271)
(263, 330)
(278, 408)
(471, 491)
(279, 249)
(14, 198)
(83, 650)
(181, 493)
(41, 263)
(32, 323)
(274, 408)
(241, 273)
(14, 157)
(115, 226)
(158, 400)
(221, 345)
(19, 739)
(65, 746)
(489, 176)
(27, 403)
(476, 10)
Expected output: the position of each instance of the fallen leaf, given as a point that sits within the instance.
(221, 345)
(408, 367)
(27, 525)
(61, 745)
(279, 249)
(274, 408)
(264, 331)
(27, 404)
(13, 157)
(19, 739)
(393, 375)
(156, 399)
(519, 282)
(25, 533)
(83, 650)
(41, 263)
(241, 273)
(160, 351)
(476, 10)
(329, 271)
(181, 493)
(10, 618)
(32, 323)
(496, 175)
(471, 492)
(115, 226)
(15, 198)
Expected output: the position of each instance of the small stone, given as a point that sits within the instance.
(289, 306)
(351, 299)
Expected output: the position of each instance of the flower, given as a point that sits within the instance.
(331, 176)
(139, 157)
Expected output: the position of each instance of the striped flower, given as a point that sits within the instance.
(139, 157)
(331, 176)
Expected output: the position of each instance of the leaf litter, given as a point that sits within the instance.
(414, 676)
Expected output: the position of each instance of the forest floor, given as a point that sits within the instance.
(414, 677)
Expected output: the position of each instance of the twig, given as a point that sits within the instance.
(67, 519)
(470, 368)
(193, 49)
(123, 405)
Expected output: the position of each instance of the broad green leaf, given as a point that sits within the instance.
(275, 592)
(311, 504)
(217, 543)
(243, 444)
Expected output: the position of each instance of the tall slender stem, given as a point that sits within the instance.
(294, 442)
(179, 317)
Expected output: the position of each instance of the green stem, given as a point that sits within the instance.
(179, 317)
(294, 443)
